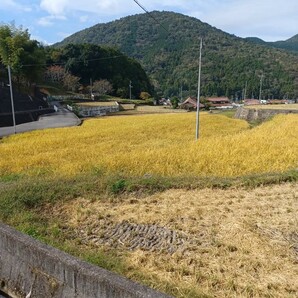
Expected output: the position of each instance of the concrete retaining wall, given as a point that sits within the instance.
(29, 268)
(250, 114)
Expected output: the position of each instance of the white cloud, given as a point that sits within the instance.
(113, 7)
(109, 7)
(83, 19)
(11, 4)
(49, 20)
(263, 18)
(54, 7)
(266, 19)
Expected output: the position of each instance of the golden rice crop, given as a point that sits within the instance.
(157, 145)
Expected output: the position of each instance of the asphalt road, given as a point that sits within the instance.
(61, 118)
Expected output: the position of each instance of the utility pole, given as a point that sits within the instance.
(91, 89)
(261, 82)
(245, 90)
(181, 93)
(11, 98)
(130, 86)
(199, 92)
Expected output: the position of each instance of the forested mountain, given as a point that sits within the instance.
(167, 45)
(93, 62)
(290, 44)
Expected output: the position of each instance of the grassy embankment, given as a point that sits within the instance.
(60, 185)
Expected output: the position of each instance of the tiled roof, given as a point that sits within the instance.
(218, 99)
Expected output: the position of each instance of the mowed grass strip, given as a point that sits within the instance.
(161, 145)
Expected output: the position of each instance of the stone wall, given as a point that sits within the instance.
(31, 269)
(251, 114)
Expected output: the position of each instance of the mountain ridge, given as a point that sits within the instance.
(290, 44)
(170, 56)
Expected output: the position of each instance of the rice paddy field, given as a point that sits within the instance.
(137, 195)
(162, 145)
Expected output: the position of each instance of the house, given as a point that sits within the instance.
(250, 102)
(277, 101)
(191, 104)
(219, 103)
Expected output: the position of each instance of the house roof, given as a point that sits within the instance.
(218, 99)
(251, 102)
(277, 101)
(192, 101)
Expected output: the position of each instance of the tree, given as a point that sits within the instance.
(24, 56)
(175, 101)
(71, 82)
(58, 75)
(144, 95)
(55, 74)
(11, 41)
(103, 87)
(122, 92)
(102, 63)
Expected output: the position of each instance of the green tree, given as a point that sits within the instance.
(23, 55)
(102, 63)
(175, 101)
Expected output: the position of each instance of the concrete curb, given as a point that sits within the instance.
(33, 269)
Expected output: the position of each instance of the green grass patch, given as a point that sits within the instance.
(228, 113)
(19, 193)
(10, 177)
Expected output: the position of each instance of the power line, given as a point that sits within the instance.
(151, 16)
(107, 58)
(77, 60)
(200, 63)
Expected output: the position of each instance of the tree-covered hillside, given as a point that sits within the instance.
(72, 67)
(170, 56)
(92, 62)
(290, 44)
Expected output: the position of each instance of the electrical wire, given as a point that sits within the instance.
(77, 60)
(150, 14)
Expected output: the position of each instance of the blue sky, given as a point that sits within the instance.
(50, 21)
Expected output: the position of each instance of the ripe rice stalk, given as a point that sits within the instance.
(155, 145)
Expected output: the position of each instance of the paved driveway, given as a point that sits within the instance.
(61, 118)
